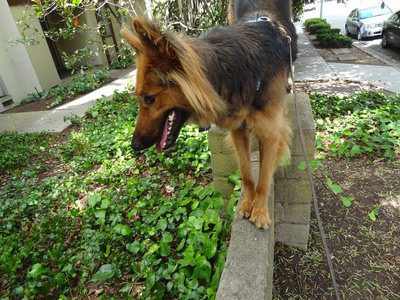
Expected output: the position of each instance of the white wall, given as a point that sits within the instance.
(16, 70)
(39, 54)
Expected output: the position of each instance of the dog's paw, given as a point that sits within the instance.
(260, 218)
(245, 208)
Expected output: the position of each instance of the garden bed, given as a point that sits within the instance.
(83, 216)
(55, 97)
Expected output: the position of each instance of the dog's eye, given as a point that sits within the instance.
(149, 100)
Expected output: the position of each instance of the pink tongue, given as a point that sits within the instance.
(163, 138)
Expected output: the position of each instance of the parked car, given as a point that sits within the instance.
(391, 31)
(367, 22)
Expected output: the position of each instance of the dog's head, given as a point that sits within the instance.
(170, 85)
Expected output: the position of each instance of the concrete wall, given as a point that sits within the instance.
(248, 272)
(17, 74)
(39, 54)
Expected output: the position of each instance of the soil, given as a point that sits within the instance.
(365, 253)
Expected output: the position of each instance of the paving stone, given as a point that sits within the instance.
(341, 51)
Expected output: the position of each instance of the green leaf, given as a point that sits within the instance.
(37, 270)
(60, 279)
(165, 250)
(347, 201)
(336, 189)
(372, 216)
(126, 288)
(94, 199)
(122, 229)
(133, 247)
(131, 162)
(313, 165)
(167, 237)
(151, 279)
(105, 272)
(202, 269)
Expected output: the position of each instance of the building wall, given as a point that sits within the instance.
(39, 54)
(18, 77)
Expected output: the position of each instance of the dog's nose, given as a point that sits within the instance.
(137, 144)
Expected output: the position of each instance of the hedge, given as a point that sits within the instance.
(328, 30)
(309, 22)
(334, 40)
(313, 28)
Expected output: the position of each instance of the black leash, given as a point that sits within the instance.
(314, 194)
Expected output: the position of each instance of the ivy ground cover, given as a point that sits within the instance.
(84, 217)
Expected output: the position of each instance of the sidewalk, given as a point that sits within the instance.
(53, 120)
(308, 66)
(311, 66)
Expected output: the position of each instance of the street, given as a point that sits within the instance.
(336, 13)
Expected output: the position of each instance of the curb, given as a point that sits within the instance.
(379, 56)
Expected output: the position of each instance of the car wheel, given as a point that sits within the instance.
(359, 38)
(346, 30)
(384, 42)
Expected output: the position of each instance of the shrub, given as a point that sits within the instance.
(328, 30)
(313, 28)
(311, 21)
(334, 40)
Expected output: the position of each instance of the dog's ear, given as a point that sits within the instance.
(132, 39)
(153, 39)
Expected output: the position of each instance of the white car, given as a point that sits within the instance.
(367, 22)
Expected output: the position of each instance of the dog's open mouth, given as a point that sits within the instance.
(174, 121)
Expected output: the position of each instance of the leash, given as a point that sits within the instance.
(314, 194)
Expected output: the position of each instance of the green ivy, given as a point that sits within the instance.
(365, 124)
(143, 225)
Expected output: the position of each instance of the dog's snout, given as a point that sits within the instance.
(137, 144)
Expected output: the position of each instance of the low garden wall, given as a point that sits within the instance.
(248, 271)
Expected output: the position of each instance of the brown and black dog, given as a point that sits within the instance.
(234, 77)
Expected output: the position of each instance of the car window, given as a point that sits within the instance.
(374, 12)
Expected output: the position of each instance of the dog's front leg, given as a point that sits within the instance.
(241, 139)
(268, 147)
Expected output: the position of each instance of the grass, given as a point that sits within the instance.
(86, 217)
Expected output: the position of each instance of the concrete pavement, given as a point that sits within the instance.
(309, 66)
(53, 120)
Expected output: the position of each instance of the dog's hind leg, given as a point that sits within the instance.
(241, 139)
(269, 147)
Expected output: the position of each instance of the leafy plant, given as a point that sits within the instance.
(334, 40)
(314, 27)
(143, 224)
(312, 21)
(365, 124)
(327, 30)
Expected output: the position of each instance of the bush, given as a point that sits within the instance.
(328, 30)
(312, 21)
(334, 40)
(313, 28)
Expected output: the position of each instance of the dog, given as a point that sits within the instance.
(234, 77)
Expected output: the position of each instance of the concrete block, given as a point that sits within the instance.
(292, 171)
(296, 213)
(279, 212)
(222, 185)
(293, 191)
(309, 143)
(305, 112)
(223, 164)
(248, 271)
(292, 234)
(217, 141)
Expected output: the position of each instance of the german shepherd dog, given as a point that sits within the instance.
(234, 77)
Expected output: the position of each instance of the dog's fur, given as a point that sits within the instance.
(234, 77)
